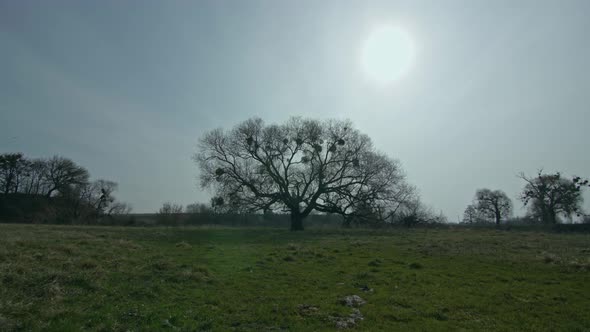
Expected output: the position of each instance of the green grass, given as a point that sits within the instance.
(63, 278)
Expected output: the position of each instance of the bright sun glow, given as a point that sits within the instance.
(388, 54)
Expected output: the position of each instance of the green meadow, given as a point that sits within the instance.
(71, 278)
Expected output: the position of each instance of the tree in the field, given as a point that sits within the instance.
(169, 213)
(551, 195)
(471, 215)
(493, 204)
(88, 199)
(298, 167)
(170, 208)
(98, 195)
(63, 173)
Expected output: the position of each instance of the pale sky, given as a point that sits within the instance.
(126, 88)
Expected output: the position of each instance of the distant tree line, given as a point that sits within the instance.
(549, 197)
(53, 189)
(411, 213)
(201, 214)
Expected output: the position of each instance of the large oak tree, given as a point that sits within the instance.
(63, 173)
(301, 166)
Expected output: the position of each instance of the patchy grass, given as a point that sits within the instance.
(60, 278)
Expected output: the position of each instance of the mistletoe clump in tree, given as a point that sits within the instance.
(301, 166)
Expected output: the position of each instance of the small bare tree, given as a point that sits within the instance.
(494, 204)
(414, 213)
(169, 213)
(169, 208)
(471, 215)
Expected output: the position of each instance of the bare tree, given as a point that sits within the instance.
(414, 212)
(36, 183)
(471, 215)
(298, 167)
(97, 195)
(169, 208)
(118, 208)
(169, 213)
(103, 195)
(551, 195)
(88, 199)
(494, 204)
(62, 173)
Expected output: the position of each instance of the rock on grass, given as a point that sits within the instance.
(349, 321)
(307, 310)
(183, 245)
(353, 301)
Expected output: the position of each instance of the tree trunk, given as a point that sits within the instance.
(346, 222)
(296, 221)
(552, 216)
(7, 184)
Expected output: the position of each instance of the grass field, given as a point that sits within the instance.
(63, 278)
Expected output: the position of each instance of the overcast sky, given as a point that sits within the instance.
(126, 88)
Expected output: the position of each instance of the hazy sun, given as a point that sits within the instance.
(388, 54)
